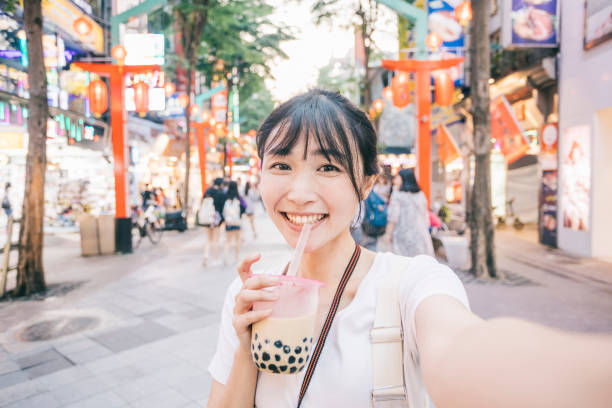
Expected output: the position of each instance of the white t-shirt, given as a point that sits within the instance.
(343, 375)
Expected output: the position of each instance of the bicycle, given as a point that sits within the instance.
(147, 223)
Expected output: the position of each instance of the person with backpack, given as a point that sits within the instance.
(374, 222)
(408, 220)
(210, 215)
(233, 208)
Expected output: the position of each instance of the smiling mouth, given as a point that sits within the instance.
(303, 219)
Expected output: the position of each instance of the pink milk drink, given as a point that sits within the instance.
(282, 342)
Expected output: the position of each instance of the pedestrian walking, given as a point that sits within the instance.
(407, 218)
(319, 161)
(233, 208)
(251, 197)
(6, 202)
(210, 215)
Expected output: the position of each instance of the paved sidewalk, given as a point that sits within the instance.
(145, 324)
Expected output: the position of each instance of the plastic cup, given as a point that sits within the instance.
(282, 342)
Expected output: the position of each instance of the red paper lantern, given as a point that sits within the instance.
(82, 26)
(444, 87)
(433, 41)
(141, 97)
(378, 105)
(463, 13)
(183, 100)
(169, 89)
(119, 53)
(401, 90)
(387, 93)
(220, 130)
(205, 116)
(98, 97)
(195, 109)
(372, 112)
(252, 133)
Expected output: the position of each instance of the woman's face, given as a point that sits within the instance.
(298, 191)
(397, 181)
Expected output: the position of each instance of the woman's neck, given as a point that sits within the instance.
(327, 263)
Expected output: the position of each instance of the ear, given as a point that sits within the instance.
(368, 185)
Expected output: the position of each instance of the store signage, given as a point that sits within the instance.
(448, 150)
(12, 139)
(219, 106)
(530, 23)
(597, 22)
(157, 99)
(144, 49)
(548, 208)
(62, 14)
(576, 177)
(548, 146)
(507, 131)
(442, 22)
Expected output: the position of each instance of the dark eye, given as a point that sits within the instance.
(328, 168)
(280, 166)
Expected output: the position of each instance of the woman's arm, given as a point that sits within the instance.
(507, 362)
(240, 388)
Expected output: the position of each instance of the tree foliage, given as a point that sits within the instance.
(255, 108)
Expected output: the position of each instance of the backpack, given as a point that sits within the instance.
(231, 212)
(6, 204)
(375, 221)
(207, 215)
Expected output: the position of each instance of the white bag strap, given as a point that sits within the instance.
(389, 387)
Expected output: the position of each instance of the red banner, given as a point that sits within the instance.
(507, 131)
(447, 148)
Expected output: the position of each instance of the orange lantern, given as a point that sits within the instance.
(387, 93)
(82, 26)
(169, 89)
(212, 122)
(378, 105)
(444, 87)
(252, 133)
(433, 41)
(119, 53)
(463, 13)
(141, 97)
(195, 109)
(372, 113)
(205, 116)
(401, 90)
(183, 100)
(98, 97)
(220, 130)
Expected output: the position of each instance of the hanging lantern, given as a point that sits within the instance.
(220, 129)
(195, 109)
(401, 90)
(212, 122)
(387, 93)
(98, 97)
(433, 41)
(119, 53)
(183, 100)
(463, 13)
(372, 113)
(252, 133)
(169, 89)
(205, 116)
(378, 105)
(82, 26)
(444, 88)
(141, 97)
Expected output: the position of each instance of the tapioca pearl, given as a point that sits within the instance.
(259, 347)
(306, 349)
(300, 360)
(311, 340)
(300, 368)
(256, 356)
(267, 341)
(304, 339)
(265, 356)
(252, 346)
(277, 357)
(272, 367)
(291, 359)
(287, 349)
(283, 368)
(278, 344)
(262, 366)
(256, 336)
(298, 350)
(293, 370)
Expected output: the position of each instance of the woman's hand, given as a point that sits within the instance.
(252, 291)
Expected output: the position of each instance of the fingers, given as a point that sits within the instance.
(246, 297)
(242, 321)
(244, 269)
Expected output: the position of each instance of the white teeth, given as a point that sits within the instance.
(304, 219)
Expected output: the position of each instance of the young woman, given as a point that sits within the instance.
(407, 218)
(232, 213)
(212, 228)
(251, 197)
(319, 161)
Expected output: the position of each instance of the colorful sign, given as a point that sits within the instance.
(531, 23)
(548, 208)
(597, 22)
(12, 139)
(548, 149)
(219, 106)
(507, 131)
(447, 148)
(576, 172)
(442, 22)
(62, 14)
(144, 49)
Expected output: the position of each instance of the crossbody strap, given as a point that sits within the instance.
(328, 322)
(387, 339)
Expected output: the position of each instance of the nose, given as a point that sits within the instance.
(302, 190)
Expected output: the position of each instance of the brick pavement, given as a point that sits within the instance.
(153, 318)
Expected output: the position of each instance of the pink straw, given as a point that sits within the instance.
(299, 250)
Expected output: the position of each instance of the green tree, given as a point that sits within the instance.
(254, 109)
(339, 76)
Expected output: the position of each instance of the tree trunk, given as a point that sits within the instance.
(481, 222)
(30, 274)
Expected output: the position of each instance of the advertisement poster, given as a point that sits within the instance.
(507, 131)
(442, 21)
(548, 208)
(597, 22)
(576, 187)
(531, 23)
(549, 143)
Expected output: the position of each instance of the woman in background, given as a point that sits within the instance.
(251, 197)
(232, 212)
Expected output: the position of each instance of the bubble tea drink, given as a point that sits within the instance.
(282, 342)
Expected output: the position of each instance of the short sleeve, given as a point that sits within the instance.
(227, 342)
(394, 209)
(429, 277)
